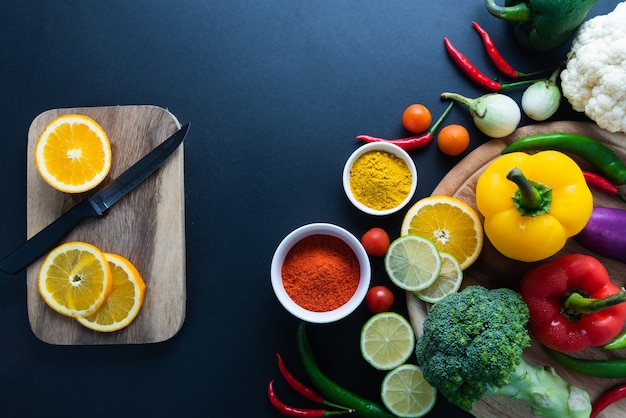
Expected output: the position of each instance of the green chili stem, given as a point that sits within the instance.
(577, 304)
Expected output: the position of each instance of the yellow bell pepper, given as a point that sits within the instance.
(533, 203)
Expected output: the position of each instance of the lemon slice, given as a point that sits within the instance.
(406, 393)
(451, 224)
(412, 262)
(449, 280)
(387, 340)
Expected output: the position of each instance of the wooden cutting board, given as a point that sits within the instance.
(147, 227)
(494, 270)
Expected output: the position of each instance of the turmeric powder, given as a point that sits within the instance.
(380, 180)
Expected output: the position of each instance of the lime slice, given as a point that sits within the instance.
(412, 262)
(406, 393)
(449, 280)
(387, 340)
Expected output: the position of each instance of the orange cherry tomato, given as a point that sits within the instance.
(453, 139)
(416, 118)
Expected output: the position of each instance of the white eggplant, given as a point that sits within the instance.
(542, 99)
(495, 114)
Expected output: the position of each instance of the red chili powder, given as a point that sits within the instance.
(321, 273)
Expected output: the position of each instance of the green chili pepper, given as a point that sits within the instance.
(591, 150)
(617, 343)
(331, 390)
(610, 368)
(542, 25)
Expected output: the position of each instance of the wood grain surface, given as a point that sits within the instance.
(147, 227)
(494, 270)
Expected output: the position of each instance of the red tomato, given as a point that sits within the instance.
(375, 241)
(416, 118)
(379, 299)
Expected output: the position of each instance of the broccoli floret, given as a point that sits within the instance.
(472, 346)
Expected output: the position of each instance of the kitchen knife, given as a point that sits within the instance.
(93, 206)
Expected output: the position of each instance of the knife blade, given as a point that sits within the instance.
(93, 206)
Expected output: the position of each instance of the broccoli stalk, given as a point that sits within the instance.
(472, 347)
(545, 391)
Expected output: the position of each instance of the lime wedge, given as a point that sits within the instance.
(412, 262)
(449, 280)
(387, 340)
(406, 393)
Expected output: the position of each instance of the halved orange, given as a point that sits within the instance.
(73, 153)
(75, 279)
(125, 301)
(451, 224)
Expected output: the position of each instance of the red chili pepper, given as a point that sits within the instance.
(298, 386)
(573, 304)
(475, 74)
(412, 142)
(603, 184)
(493, 53)
(607, 398)
(291, 411)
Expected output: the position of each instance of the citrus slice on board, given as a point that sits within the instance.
(451, 224)
(125, 301)
(75, 279)
(73, 153)
(387, 340)
(449, 281)
(406, 393)
(412, 262)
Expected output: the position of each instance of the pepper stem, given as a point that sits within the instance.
(577, 304)
(519, 12)
(531, 198)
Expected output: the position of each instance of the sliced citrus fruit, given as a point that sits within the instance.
(73, 153)
(387, 340)
(451, 224)
(449, 280)
(125, 301)
(406, 393)
(75, 279)
(412, 262)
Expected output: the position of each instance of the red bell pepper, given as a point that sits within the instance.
(573, 304)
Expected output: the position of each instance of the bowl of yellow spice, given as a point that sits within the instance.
(380, 178)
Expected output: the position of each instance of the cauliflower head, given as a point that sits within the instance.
(594, 79)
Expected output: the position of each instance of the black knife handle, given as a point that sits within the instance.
(45, 239)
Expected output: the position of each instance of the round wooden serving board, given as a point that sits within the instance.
(493, 270)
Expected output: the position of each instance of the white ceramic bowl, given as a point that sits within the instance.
(320, 229)
(379, 146)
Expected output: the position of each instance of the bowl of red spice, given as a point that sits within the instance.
(380, 178)
(320, 273)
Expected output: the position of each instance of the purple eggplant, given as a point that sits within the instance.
(605, 233)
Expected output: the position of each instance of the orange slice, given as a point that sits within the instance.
(73, 154)
(75, 279)
(125, 301)
(451, 224)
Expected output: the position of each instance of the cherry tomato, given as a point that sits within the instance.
(375, 241)
(453, 139)
(379, 299)
(416, 118)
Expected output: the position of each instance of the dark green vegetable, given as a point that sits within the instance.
(542, 25)
(331, 390)
(610, 368)
(591, 150)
